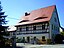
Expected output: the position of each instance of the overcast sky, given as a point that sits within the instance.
(15, 9)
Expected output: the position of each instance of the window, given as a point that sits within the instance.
(23, 21)
(20, 29)
(23, 39)
(40, 18)
(27, 28)
(43, 38)
(35, 38)
(52, 26)
(43, 27)
(55, 20)
(28, 39)
(58, 29)
(13, 33)
(34, 27)
(46, 25)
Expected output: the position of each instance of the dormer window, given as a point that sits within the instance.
(40, 18)
(23, 21)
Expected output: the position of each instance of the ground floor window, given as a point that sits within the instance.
(35, 38)
(23, 39)
(43, 38)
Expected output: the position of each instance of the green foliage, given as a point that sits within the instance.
(58, 39)
(62, 33)
(49, 41)
(2, 28)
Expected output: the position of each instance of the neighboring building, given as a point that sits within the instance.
(37, 25)
(11, 30)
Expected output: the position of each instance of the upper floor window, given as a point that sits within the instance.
(43, 27)
(20, 29)
(58, 29)
(55, 20)
(27, 28)
(34, 27)
(52, 26)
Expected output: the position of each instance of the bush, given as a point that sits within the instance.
(49, 41)
(58, 39)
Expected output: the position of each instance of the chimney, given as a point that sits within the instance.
(26, 13)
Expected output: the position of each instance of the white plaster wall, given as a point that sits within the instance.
(39, 36)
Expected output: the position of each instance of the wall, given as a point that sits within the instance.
(38, 33)
(54, 24)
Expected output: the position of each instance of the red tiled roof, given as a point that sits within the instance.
(43, 13)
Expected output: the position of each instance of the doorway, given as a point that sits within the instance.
(28, 39)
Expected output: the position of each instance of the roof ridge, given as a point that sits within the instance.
(43, 8)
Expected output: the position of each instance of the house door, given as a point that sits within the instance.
(24, 39)
(28, 39)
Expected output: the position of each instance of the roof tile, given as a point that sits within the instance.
(42, 12)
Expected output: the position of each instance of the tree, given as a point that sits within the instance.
(2, 28)
(62, 33)
(58, 39)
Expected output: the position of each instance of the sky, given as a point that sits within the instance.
(15, 9)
